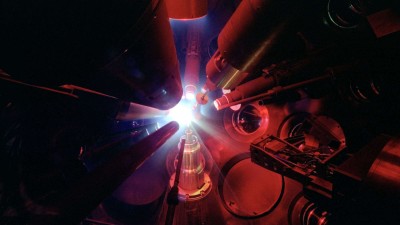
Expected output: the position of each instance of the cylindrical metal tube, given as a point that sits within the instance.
(220, 74)
(186, 9)
(133, 111)
(192, 65)
(101, 182)
(258, 32)
(246, 90)
(148, 66)
(120, 48)
(286, 74)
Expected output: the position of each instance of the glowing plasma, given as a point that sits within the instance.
(182, 112)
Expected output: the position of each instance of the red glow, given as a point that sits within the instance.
(189, 19)
(186, 9)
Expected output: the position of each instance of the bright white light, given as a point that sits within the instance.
(182, 113)
(190, 96)
(190, 91)
(236, 107)
(226, 91)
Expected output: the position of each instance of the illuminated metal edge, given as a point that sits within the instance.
(266, 158)
(221, 181)
(194, 195)
(232, 131)
(302, 211)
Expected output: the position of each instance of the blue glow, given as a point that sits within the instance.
(182, 112)
(178, 24)
(201, 19)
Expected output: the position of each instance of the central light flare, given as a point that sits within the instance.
(182, 112)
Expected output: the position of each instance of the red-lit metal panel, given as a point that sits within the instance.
(186, 9)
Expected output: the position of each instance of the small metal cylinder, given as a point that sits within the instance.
(193, 59)
(246, 90)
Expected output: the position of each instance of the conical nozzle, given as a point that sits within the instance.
(192, 171)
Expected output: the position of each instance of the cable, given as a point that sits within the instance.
(172, 197)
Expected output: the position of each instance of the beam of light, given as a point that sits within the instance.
(134, 111)
(182, 112)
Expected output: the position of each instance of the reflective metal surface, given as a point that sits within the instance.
(292, 107)
(247, 190)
